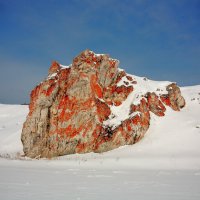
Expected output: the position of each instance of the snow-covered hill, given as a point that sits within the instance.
(164, 165)
(172, 142)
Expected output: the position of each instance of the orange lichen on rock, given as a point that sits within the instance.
(34, 96)
(103, 110)
(155, 105)
(55, 67)
(72, 110)
(50, 89)
(165, 99)
(96, 87)
(121, 74)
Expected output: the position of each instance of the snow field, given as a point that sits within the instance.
(164, 165)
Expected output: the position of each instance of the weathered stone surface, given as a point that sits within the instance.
(155, 105)
(71, 110)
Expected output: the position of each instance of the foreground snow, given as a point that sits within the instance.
(35, 180)
(164, 165)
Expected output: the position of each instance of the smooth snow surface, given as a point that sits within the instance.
(12, 118)
(42, 180)
(165, 164)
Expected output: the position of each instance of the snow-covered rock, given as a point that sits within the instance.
(92, 106)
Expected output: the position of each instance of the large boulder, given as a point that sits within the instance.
(92, 106)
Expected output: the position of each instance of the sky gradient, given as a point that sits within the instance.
(158, 39)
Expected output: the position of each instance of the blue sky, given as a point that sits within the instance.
(159, 39)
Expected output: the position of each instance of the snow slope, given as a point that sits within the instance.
(164, 165)
(31, 181)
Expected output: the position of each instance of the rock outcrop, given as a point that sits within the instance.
(92, 106)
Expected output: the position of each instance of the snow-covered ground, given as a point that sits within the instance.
(164, 165)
